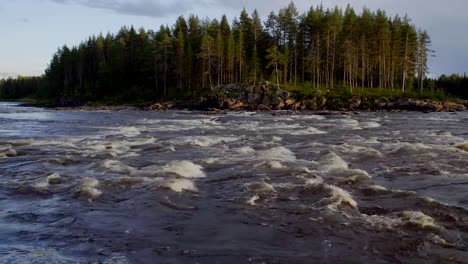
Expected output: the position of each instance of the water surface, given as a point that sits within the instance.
(183, 187)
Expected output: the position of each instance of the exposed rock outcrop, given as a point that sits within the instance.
(244, 97)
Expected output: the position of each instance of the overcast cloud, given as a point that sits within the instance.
(150, 8)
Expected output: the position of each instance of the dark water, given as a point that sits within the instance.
(178, 187)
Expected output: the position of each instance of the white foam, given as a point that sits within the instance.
(208, 141)
(64, 144)
(318, 181)
(274, 164)
(369, 125)
(377, 188)
(349, 123)
(54, 178)
(305, 117)
(89, 188)
(463, 147)
(185, 169)
(339, 196)
(406, 147)
(130, 131)
(7, 151)
(418, 219)
(334, 165)
(362, 151)
(41, 186)
(276, 138)
(303, 132)
(245, 150)
(332, 162)
(117, 148)
(180, 185)
(253, 199)
(262, 188)
(277, 153)
(211, 160)
(117, 166)
(372, 140)
(142, 142)
(381, 221)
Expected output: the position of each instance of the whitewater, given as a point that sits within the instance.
(239, 187)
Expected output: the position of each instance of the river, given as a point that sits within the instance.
(266, 187)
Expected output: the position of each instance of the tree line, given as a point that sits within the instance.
(322, 47)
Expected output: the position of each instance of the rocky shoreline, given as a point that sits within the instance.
(245, 98)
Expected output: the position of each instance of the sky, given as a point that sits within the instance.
(32, 30)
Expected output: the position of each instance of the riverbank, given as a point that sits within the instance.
(249, 98)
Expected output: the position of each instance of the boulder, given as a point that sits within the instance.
(156, 107)
(310, 104)
(262, 107)
(297, 105)
(353, 103)
(253, 98)
(321, 102)
(280, 106)
(289, 102)
(234, 105)
(450, 106)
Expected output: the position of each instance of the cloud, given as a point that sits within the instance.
(149, 8)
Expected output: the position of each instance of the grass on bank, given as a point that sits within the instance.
(308, 91)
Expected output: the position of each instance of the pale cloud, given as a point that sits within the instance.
(148, 8)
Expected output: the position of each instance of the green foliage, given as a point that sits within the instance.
(322, 53)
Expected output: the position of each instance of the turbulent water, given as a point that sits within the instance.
(270, 187)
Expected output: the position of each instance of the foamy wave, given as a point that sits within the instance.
(314, 182)
(274, 164)
(252, 201)
(180, 185)
(54, 178)
(306, 117)
(245, 150)
(7, 151)
(377, 188)
(208, 141)
(418, 219)
(333, 165)
(369, 125)
(332, 162)
(349, 123)
(185, 169)
(381, 221)
(409, 218)
(406, 147)
(463, 146)
(339, 196)
(89, 188)
(303, 132)
(277, 153)
(117, 166)
(362, 151)
(130, 131)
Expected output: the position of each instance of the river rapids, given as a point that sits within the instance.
(250, 187)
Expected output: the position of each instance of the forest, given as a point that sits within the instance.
(331, 48)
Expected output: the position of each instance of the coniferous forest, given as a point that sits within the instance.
(319, 48)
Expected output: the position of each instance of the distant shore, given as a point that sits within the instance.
(247, 98)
